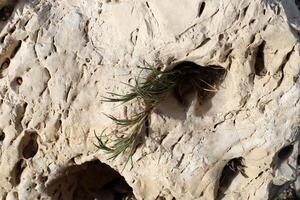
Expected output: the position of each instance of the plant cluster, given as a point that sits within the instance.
(149, 92)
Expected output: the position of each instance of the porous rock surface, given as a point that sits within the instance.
(58, 58)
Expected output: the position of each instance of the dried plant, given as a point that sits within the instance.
(149, 93)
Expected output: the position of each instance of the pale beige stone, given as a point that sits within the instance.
(58, 58)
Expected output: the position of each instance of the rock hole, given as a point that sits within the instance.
(44, 179)
(5, 12)
(31, 146)
(259, 66)
(58, 124)
(2, 39)
(19, 115)
(11, 30)
(282, 155)
(260, 173)
(244, 12)
(265, 27)
(277, 10)
(16, 83)
(252, 21)
(16, 195)
(203, 80)
(16, 49)
(252, 39)
(4, 66)
(221, 36)
(201, 8)
(147, 4)
(17, 172)
(230, 171)
(281, 192)
(204, 42)
(285, 152)
(4, 195)
(91, 180)
(297, 2)
(193, 87)
(2, 136)
(147, 126)
(19, 80)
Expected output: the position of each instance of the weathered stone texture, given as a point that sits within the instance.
(58, 58)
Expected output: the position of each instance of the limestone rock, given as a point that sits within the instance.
(58, 58)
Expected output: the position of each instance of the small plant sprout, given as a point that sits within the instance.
(149, 92)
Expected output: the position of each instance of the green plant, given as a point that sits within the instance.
(149, 93)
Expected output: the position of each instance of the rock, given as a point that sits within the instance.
(297, 182)
(59, 58)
